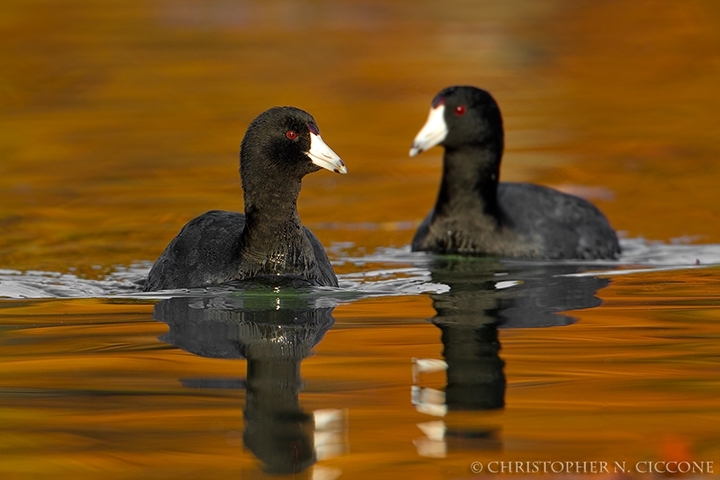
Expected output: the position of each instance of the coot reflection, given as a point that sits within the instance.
(479, 303)
(274, 334)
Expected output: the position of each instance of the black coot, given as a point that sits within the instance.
(268, 243)
(475, 214)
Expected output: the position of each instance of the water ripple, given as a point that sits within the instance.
(385, 272)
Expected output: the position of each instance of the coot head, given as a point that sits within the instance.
(284, 143)
(461, 117)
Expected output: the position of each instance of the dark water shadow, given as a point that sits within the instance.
(485, 297)
(274, 335)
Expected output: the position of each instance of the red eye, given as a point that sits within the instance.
(291, 134)
(460, 110)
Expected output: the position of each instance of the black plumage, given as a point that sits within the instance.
(475, 214)
(268, 243)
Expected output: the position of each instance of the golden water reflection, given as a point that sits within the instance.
(120, 121)
(103, 388)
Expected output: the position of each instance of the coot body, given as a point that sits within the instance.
(476, 214)
(268, 243)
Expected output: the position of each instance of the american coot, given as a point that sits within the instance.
(268, 243)
(474, 214)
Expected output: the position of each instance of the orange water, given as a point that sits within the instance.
(120, 121)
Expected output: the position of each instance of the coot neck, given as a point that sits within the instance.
(470, 181)
(272, 221)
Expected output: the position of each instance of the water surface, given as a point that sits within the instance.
(120, 122)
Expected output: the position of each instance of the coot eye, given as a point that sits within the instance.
(460, 110)
(291, 134)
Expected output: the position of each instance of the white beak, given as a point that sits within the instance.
(433, 132)
(323, 156)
